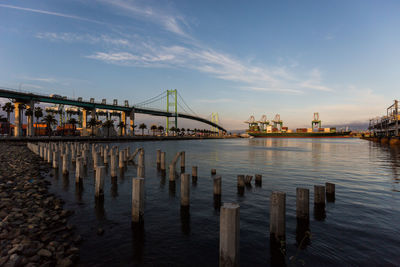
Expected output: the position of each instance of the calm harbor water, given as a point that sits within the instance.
(360, 228)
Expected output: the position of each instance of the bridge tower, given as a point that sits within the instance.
(172, 106)
(214, 119)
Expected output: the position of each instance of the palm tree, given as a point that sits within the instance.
(29, 113)
(8, 107)
(108, 124)
(153, 128)
(38, 114)
(92, 123)
(133, 126)
(172, 129)
(177, 130)
(121, 126)
(183, 131)
(50, 121)
(142, 127)
(161, 129)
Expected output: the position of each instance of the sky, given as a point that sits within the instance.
(236, 58)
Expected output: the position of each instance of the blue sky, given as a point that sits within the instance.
(237, 58)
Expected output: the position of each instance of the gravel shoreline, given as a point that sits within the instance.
(33, 223)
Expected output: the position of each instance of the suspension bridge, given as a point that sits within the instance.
(169, 104)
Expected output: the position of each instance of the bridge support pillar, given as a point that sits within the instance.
(17, 120)
(30, 131)
(123, 120)
(132, 122)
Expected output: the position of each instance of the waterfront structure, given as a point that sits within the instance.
(92, 107)
(387, 125)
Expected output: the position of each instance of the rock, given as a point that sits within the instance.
(66, 262)
(44, 253)
(100, 231)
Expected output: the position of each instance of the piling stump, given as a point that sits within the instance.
(185, 189)
(99, 182)
(229, 235)
(277, 224)
(137, 200)
(302, 203)
(213, 171)
(217, 185)
(330, 192)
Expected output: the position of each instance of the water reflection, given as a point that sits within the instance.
(319, 212)
(138, 240)
(66, 182)
(114, 187)
(277, 251)
(303, 233)
(217, 202)
(78, 191)
(185, 220)
(99, 208)
(172, 188)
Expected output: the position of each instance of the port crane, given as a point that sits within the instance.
(278, 122)
(263, 122)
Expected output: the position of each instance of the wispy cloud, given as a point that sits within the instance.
(85, 38)
(40, 79)
(170, 22)
(51, 13)
(265, 89)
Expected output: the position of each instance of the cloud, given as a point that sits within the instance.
(170, 22)
(329, 36)
(40, 79)
(50, 13)
(85, 38)
(264, 89)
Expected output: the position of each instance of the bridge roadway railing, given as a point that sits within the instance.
(27, 96)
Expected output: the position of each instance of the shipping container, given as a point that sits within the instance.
(309, 130)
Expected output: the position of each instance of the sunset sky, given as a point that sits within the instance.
(237, 58)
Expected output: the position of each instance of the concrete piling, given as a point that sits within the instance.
(99, 182)
(229, 235)
(137, 200)
(185, 189)
(217, 185)
(277, 224)
(302, 203)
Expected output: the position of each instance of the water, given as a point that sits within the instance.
(360, 228)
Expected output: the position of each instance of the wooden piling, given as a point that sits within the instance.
(194, 171)
(158, 158)
(105, 156)
(121, 163)
(217, 185)
(277, 224)
(49, 155)
(248, 179)
(99, 183)
(229, 235)
(240, 180)
(258, 179)
(162, 161)
(185, 189)
(113, 165)
(302, 203)
(183, 161)
(137, 200)
(330, 192)
(55, 160)
(319, 195)
(171, 172)
(213, 171)
(78, 170)
(65, 167)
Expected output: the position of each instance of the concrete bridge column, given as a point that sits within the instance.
(132, 122)
(30, 131)
(84, 119)
(17, 120)
(123, 120)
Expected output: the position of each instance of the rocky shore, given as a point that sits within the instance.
(33, 224)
